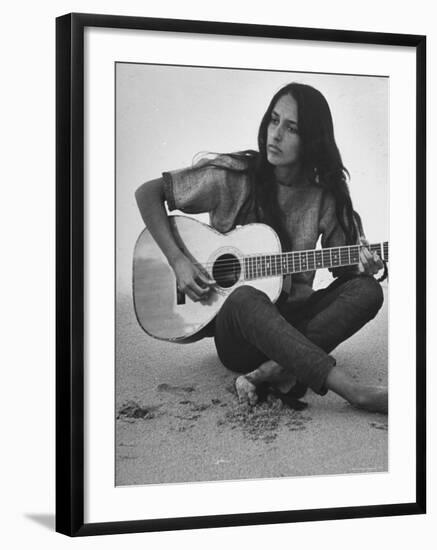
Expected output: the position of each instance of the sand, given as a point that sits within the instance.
(178, 418)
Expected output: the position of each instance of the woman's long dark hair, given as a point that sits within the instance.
(320, 157)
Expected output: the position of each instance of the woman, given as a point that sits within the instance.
(296, 183)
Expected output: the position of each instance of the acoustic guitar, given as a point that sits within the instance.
(248, 255)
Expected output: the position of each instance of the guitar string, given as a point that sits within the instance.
(323, 251)
(234, 262)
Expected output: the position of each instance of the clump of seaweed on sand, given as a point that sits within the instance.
(262, 421)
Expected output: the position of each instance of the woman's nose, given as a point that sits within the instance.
(277, 135)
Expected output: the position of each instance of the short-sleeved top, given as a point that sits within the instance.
(225, 191)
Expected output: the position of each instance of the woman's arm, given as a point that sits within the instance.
(190, 279)
(150, 200)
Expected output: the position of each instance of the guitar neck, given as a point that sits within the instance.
(287, 263)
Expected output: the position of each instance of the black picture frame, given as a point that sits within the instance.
(70, 488)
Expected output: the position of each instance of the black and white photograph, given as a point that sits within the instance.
(215, 280)
(252, 274)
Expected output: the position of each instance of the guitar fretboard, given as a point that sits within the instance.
(270, 265)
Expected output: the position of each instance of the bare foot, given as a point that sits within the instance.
(372, 398)
(246, 391)
(275, 375)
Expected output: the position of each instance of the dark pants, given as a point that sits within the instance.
(250, 329)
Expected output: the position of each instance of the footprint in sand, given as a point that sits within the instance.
(175, 389)
(132, 410)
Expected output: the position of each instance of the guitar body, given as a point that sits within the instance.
(165, 313)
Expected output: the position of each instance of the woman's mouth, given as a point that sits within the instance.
(274, 149)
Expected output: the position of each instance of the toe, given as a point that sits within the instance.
(246, 391)
(252, 398)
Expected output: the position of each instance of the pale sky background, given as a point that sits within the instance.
(165, 115)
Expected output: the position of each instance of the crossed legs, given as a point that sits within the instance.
(278, 345)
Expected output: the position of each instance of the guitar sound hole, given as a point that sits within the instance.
(226, 270)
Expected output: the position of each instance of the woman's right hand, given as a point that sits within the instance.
(191, 279)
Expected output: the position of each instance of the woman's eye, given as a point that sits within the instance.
(292, 129)
(274, 121)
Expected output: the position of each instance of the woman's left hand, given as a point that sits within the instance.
(370, 262)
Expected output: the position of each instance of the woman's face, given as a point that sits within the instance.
(283, 140)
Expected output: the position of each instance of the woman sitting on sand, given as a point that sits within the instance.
(296, 183)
